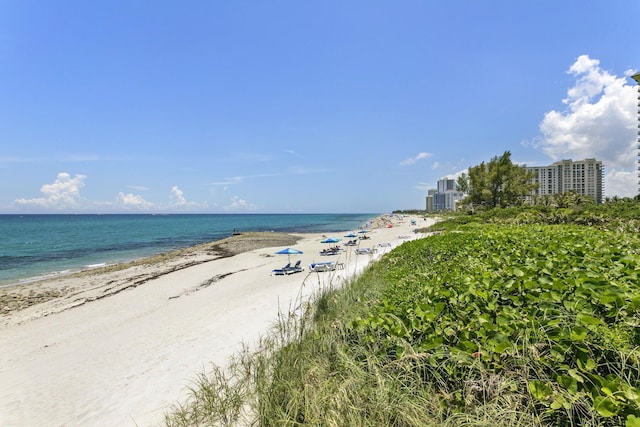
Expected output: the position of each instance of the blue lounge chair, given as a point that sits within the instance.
(296, 268)
(281, 271)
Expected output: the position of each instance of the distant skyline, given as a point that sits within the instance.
(286, 107)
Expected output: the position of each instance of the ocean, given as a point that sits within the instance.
(34, 247)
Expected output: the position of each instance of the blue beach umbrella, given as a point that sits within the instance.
(330, 240)
(289, 252)
(350, 235)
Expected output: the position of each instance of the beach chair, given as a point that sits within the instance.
(281, 271)
(365, 251)
(296, 268)
(322, 266)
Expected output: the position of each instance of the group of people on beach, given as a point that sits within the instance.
(334, 250)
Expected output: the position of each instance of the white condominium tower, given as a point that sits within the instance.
(585, 177)
(636, 77)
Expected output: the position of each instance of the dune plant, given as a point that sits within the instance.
(552, 310)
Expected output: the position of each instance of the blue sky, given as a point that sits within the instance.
(296, 106)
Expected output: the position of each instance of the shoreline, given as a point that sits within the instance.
(20, 296)
(57, 259)
(122, 346)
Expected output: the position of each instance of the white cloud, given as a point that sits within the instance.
(177, 196)
(237, 204)
(228, 181)
(424, 186)
(293, 153)
(413, 160)
(621, 183)
(240, 179)
(456, 175)
(600, 121)
(132, 201)
(179, 202)
(62, 194)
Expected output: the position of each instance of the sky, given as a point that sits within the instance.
(160, 106)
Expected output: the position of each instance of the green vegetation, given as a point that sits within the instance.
(498, 183)
(619, 215)
(510, 317)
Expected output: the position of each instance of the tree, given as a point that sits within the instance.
(462, 183)
(499, 183)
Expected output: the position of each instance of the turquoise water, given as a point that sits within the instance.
(40, 246)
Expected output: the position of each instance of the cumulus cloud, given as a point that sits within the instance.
(457, 174)
(62, 194)
(238, 204)
(599, 121)
(132, 201)
(179, 202)
(413, 160)
(620, 183)
(177, 196)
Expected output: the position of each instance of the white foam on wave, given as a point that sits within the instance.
(102, 264)
(32, 279)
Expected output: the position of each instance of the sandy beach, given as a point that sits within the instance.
(119, 345)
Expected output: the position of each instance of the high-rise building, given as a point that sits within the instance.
(636, 77)
(585, 177)
(445, 197)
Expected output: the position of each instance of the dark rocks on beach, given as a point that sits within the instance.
(251, 241)
(13, 300)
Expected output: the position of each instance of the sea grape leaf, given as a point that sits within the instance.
(633, 394)
(585, 363)
(632, 421)
(517, 272)
(568, 383)
(502, 346)
(545, 280)
(575, 375)
(587, 319)
(605, 406)
(578, 333)
(539, 390)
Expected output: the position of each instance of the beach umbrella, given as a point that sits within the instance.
(289, 252)
(350, 235)
(363, 231)
(330, 240)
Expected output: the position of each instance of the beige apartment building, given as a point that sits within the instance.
(585, 177)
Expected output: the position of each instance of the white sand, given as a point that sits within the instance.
(124, 359)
